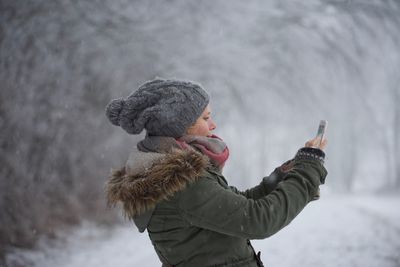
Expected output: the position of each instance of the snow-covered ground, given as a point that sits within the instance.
(334, 231)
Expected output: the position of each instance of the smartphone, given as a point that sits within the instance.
(323, 124)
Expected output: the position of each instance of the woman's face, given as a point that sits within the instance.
(204, 124)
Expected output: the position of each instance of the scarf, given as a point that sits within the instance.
(211, 146)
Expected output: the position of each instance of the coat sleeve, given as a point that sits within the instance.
(207, 204)
(268, 183)
(266, 186)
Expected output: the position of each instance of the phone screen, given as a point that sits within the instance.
(321, 130)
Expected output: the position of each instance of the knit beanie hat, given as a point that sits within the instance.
(162, 107)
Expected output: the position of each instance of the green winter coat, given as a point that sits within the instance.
(194, 218)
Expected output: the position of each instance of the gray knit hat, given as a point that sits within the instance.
(162, 107)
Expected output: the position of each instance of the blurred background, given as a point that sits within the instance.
(273, 68)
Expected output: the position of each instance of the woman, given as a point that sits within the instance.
(172, 184)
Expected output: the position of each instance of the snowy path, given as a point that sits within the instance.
(334, 231)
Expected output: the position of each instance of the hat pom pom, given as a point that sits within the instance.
(113, 110)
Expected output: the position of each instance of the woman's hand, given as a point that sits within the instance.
(316, 144)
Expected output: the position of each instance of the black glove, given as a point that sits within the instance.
(277, 175)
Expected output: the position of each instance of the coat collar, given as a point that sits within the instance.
(149, 178)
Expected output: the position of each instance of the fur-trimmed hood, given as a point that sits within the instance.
(149, 178)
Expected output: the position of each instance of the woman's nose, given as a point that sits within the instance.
(212, 125)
